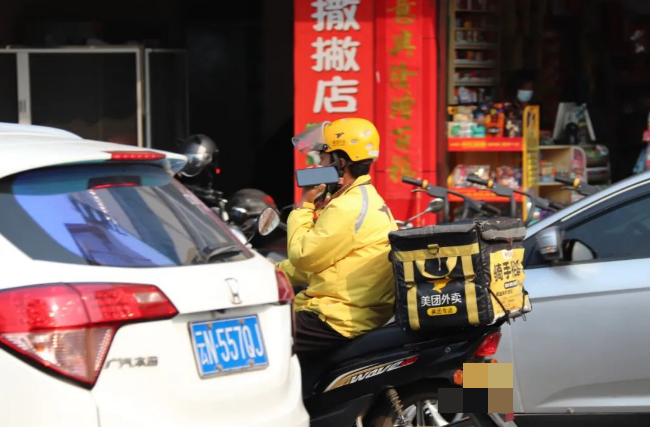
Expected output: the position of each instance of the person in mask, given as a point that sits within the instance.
(520, 90)
(340, 249)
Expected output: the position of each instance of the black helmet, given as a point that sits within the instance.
(200, 151)
(253, 201)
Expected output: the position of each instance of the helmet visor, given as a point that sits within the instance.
(311, 139)
(196, 163)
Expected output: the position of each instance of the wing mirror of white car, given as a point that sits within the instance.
(581, 252)
(549, 243)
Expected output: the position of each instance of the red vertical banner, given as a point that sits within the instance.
(405, 99)
(333, 63)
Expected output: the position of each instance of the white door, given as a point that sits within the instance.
(586, 346)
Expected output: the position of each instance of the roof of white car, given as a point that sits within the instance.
(594, 199)
(24, 147)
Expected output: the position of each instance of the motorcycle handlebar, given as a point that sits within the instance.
(415, 182)
(477, 180)
(567, 181)
(491, 208)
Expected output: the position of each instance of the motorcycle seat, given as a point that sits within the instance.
(389, 336)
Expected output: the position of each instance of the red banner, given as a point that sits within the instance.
(406, 99)
(333, 63)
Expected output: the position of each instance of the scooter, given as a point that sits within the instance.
(392, 377)
(536, 202)
(471, 207)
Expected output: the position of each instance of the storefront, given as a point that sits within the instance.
(377, 60)
(448, 83)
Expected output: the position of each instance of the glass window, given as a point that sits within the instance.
(92, 95)
(109, 215)
(621, 232)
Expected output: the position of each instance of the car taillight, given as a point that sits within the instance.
(69, 328)
(489, 345)
(285, 296)
(135, 155)
(509, 417)
(285, 290)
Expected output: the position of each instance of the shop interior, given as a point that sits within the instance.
(152, 72)
(586, 64)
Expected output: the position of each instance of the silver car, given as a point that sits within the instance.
(585, 347)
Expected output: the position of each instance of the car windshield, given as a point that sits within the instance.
(110, 215)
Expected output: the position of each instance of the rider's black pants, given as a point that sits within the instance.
(313, 336)
(315, 341)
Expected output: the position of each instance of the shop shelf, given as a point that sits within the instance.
(484, 144)
(475, 84)
(475, 64)
(555, 147)
(475, 29)
(476, 45)
(475, 11)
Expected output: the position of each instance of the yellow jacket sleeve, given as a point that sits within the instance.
(314, 247)
(296, 276)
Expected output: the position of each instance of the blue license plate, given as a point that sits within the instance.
(228, 345)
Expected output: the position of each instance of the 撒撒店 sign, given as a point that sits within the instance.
(333, 63)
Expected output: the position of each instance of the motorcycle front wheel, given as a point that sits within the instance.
(420, 409)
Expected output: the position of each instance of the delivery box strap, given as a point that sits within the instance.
(505, 311)
(412, 306)
(434, 252)
(450, 263)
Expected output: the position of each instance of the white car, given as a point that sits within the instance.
(125, 302)
(585, 348)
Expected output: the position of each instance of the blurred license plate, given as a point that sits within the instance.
(228, 345)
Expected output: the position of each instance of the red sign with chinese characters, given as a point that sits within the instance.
(406, 99)
(333, 63)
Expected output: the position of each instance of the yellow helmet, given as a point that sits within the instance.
(359, 138)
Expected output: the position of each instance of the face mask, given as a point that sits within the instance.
(524, 95)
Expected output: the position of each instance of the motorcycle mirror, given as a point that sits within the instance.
(436, 205)
(268, 221)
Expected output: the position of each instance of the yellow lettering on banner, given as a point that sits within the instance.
(403, 13)
(399, 76)
(442, 311)
(402, 107)
(507, 282)
(403, 139)
(403, 43)
(401, 167)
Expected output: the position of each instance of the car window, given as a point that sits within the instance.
(109, 215)
(621, 232)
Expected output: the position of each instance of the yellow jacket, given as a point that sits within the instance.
(343, 256)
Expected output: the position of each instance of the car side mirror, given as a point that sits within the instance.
(549, 243)
(581, 252)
